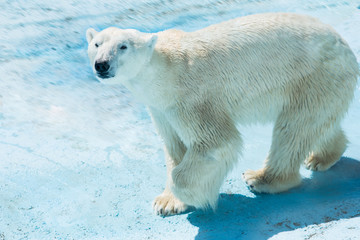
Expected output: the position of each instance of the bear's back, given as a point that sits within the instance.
(284, 45)
(275, 58)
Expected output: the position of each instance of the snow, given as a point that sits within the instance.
(81, 160)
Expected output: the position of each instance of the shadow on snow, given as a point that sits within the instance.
(326, 196)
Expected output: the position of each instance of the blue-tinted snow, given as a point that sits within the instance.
(80, 160)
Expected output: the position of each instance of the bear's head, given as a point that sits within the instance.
(118, 55)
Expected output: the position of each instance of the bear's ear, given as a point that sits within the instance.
(151, 40)
(90, 34)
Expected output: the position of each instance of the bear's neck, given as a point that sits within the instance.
(153, 85)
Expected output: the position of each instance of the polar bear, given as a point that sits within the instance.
(284, 68)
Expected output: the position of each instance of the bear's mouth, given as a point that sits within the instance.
(105, 75)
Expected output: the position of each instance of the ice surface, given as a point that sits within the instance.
(80, 160)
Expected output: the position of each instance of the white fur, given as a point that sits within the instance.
(286, 68)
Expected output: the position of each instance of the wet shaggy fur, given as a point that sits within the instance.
(288, 69)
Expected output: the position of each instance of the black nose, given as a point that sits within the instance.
(102, 67)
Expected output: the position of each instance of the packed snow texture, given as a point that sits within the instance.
(81, 160)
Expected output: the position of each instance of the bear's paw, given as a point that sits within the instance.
(262, 182)
(166, 204)
(321, 163)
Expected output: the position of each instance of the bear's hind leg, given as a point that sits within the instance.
(292, 140)
(329, 151)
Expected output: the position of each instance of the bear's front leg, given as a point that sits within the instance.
(198, 178)
(167, 204)
(213, 144)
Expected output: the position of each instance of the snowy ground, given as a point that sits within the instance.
(80, 160)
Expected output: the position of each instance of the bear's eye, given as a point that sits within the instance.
(123, 47)
(96, 45)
